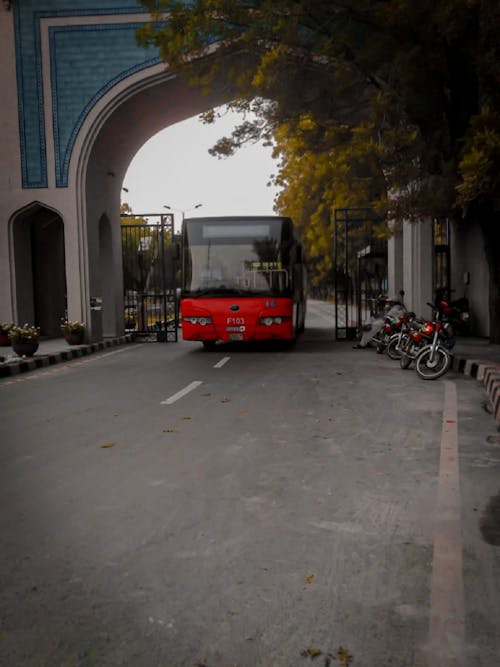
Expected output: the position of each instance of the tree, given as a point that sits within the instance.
(410, 88)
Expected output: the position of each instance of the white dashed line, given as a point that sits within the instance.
(221, 363)
(175, 397)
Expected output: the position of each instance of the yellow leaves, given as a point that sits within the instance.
(264, 75)
(342, 655)
(107, 445)
(307, 123)
(311, 652)
(324, 167)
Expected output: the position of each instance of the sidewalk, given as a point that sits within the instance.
(474, 357)
(479, 359)
(53, 351)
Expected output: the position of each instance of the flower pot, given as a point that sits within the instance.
(4, 340)
(25, 348)
(74, 338)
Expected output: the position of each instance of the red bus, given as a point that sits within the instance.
(243, 279)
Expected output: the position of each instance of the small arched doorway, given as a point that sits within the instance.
(39, 268)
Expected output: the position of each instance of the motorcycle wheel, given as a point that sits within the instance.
(405, 361)
(380, 348)
(441, 363)
(392, 350)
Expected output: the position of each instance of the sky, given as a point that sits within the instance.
(175, 169)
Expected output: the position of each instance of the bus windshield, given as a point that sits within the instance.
(246, 256)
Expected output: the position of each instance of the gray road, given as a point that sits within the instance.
(165, 506)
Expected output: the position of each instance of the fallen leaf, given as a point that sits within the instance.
(186, 418)
(311, 652)
(344, 656)
(169, 430)
(107, 445)
(207, 394)
(309, 578)
(243, 411)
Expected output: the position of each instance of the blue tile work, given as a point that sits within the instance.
(86, 61)
(88, 69)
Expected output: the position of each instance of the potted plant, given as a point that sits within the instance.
(72, 332)
(130, 318)
(4, 333)
(24, 339)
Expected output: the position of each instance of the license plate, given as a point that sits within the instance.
(236, 336)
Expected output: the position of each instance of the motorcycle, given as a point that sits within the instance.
(429, 346)
(390, 315)
(394, 347)
(413, 340)
(457, 312)
(391, 326)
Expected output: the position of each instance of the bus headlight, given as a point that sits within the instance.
(202, 321)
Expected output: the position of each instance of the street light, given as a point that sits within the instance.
(182, 211)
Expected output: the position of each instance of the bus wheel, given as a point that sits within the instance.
(209, 344)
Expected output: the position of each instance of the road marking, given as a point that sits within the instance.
(447, 613)
(181, 393)
(221, 363)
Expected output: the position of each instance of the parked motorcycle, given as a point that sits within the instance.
(394, 348)
(457, 312)
(413, 340)
(391, 326)
(429, 345)
(386, 314)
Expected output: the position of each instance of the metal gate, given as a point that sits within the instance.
(150, 276)
(360, 269)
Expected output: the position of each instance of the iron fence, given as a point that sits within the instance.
(150, 276)
(360, 270)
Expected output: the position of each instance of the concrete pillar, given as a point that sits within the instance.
(418, 266)
(395, 277)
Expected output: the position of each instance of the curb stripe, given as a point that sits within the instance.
(447, 613)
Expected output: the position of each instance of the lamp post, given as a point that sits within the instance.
(182, 211)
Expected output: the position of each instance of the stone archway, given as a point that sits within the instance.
(39, 269)
(110, 137)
